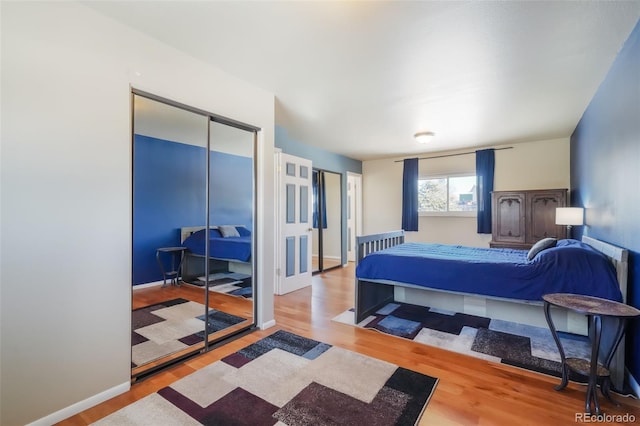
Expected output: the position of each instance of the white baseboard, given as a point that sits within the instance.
(78, 407)
(147, 285)
(268, 324)
(333, 257)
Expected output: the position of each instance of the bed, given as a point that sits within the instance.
(228, 250)
(490, 282)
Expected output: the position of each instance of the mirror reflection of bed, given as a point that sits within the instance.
(193, 180)
(229, 258)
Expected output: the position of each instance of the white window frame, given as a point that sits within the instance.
(448, 213)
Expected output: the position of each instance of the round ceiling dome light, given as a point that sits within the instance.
(424, 137)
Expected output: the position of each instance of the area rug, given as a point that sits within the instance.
(520, 345)
(287, 379)
(168, 327)
(233, 283)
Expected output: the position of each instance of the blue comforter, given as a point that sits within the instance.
(229, 248)
(570, 267)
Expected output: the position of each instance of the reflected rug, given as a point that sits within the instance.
(233, 283)
(524, 346)
(287, 379)
(168, 327)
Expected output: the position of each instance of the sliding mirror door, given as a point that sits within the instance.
(183, 203)
(327, 220)
(231, 223)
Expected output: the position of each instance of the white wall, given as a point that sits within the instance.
(66, 197)
(529, 165)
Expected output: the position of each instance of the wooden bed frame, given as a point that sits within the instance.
(372, 295)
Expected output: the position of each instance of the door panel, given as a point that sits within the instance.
(295, 223)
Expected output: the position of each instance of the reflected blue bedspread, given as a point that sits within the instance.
(570, 267)
(230, 248)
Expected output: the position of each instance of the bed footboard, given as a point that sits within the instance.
(372, 296)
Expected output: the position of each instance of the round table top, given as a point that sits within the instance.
(168, 249)
(590, 305)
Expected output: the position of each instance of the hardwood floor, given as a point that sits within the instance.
(470, 391)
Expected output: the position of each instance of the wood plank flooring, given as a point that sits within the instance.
(470, 391)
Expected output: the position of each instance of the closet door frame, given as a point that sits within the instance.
(321, 267)
(208, 345)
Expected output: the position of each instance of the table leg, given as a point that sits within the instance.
(161, 266)
(179, 270)
(606, 384)
(592, 389)
(565, 370)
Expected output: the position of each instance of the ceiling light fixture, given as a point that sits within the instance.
(424, 137)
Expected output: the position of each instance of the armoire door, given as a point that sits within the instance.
(509, 217)
(542, 214)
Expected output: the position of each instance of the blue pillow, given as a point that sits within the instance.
(244, 232)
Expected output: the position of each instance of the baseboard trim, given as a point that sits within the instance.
(78, 407)
(268, 324)
(147, 285)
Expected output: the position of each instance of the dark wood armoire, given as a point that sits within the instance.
(521, 218)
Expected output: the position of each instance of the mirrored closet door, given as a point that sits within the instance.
(327, 220)
(193, 231)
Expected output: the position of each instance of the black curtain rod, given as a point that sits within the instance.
(454, 155)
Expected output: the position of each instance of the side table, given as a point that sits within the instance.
(177, 256)
(594, 308)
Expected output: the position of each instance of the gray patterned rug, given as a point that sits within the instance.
(168, 327)
(520, 345)
(286, 379)
(233, 283)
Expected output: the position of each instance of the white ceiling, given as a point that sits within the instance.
(360, 78)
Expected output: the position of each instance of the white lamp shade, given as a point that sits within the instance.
(569, 216)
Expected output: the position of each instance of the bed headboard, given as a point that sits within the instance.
(188, 230)
(618, 256)
(367, 244)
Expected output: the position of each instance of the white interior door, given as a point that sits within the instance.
(295, 217)
(354, 213)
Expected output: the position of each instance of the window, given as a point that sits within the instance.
(455, 195)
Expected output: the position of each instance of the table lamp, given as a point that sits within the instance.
(569, 216)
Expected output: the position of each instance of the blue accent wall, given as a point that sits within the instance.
(169, 193)
(323, 160)
(605, 171)
(231, 187)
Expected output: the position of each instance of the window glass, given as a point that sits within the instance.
(432, 195)
(447, 194)
(462, 194)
